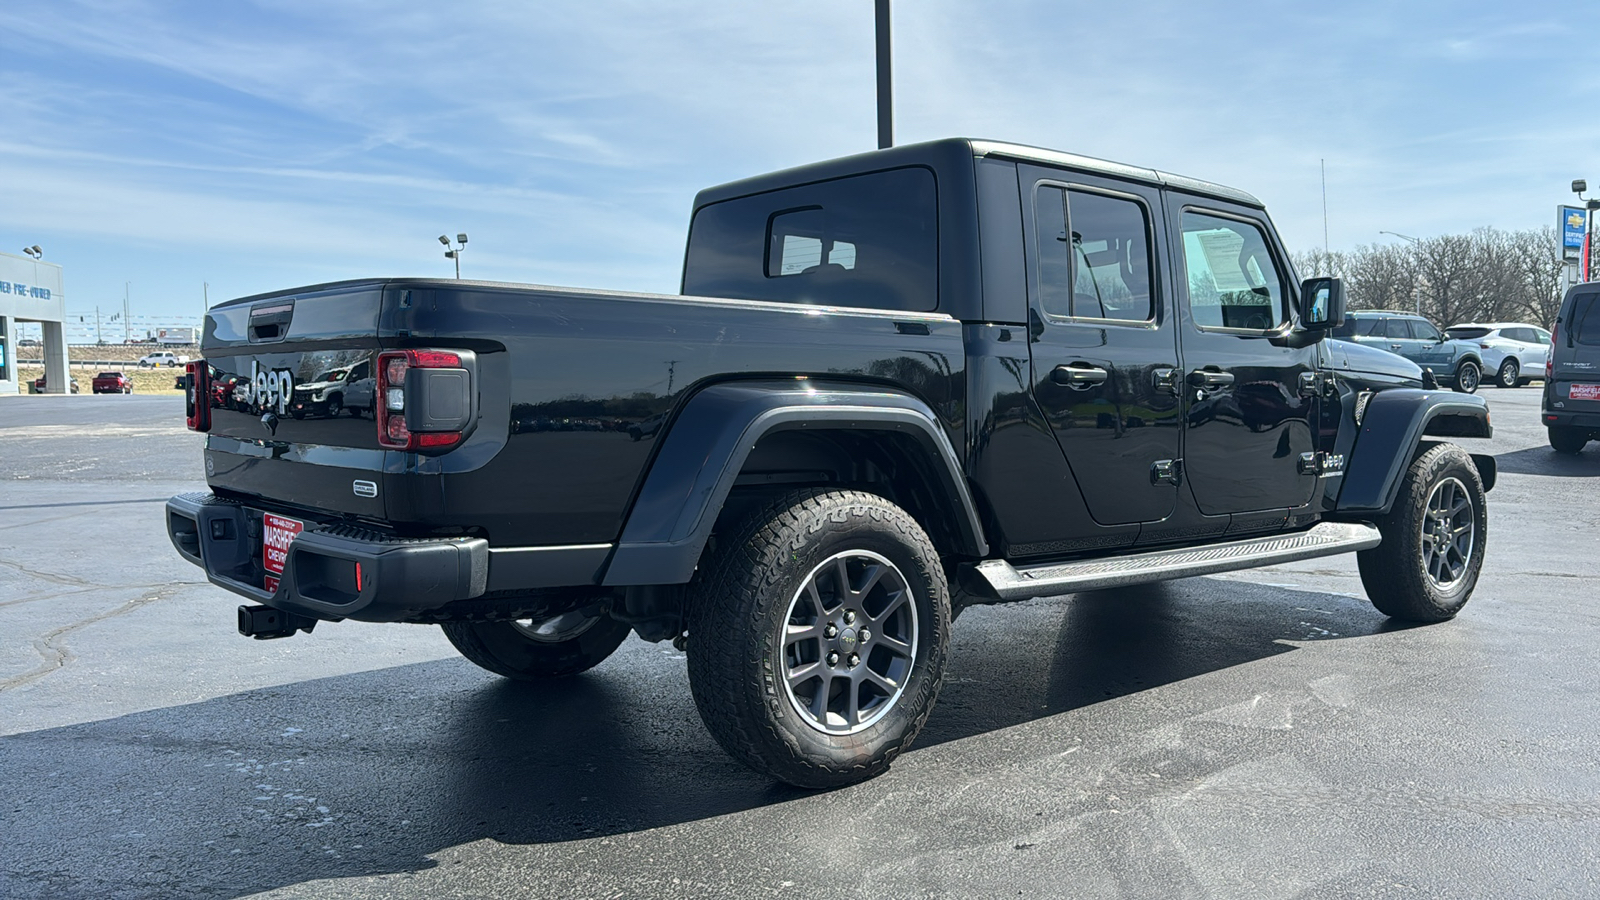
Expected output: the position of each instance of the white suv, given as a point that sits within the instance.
(1513, 352)
(162, 358)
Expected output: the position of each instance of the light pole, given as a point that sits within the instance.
(454, 252)
(1416, 295)
(1588, 269)
(34, 253)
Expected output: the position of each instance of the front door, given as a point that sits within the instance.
(1105, 354)
(1249, 398)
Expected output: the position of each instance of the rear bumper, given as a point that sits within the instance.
(399, 578)
(1555, 418)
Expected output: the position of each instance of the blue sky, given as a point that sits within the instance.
(265, 145)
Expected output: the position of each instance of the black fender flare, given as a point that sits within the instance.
(1394, 423)
(709, 440)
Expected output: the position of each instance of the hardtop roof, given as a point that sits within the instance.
(944, 150)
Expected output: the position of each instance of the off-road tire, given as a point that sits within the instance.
(1394, 573)
(1509, 376)
(507, 649)
(1568, 440)
(739, 611)
(1469, 375)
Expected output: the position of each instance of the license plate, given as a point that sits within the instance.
(1583, 392)
(277, 532)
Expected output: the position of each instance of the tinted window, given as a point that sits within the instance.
(1233, 282)
(1369, 327)
(1424, 331)
(1397, 328)
(1541, 336)
(1467, 333)
(1110, 257)
(1524, 335)
(1054, 251)
(1586, 319)
(867, 241)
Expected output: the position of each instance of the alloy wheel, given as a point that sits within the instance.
(1449, 533)
(848, 642)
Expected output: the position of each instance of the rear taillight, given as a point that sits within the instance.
(1550, 356)
(397, 380)
(197, 396)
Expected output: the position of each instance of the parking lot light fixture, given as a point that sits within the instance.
(454, 252)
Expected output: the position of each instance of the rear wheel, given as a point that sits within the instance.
(1566, 439)
(1468, 376)
(817, 637)
(532, 649)
(1510, 374)
(1433, 540)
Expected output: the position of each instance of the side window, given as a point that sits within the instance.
(1110, 257)
(1397, 328)
(1054, 250)
(1094, 255)
(1541, 336)
(1424, 331)
(1233, 282)
(1369, 327)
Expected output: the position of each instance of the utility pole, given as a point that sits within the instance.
(125, 286)
(885, 80)
(98, 338)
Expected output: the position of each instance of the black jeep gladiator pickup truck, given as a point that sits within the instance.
(894, 385)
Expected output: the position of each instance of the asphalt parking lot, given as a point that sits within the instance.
(1265, 734)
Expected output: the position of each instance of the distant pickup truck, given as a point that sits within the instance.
(894, 386)
(162, 358)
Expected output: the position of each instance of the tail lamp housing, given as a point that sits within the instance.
(197, 397)
(1550, 355)
(426, 398)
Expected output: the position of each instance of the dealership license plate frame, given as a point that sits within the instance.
(277, 533)
(1577, 391)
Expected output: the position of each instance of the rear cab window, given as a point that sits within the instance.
(868, 241)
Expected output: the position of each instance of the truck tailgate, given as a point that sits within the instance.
(291, 396)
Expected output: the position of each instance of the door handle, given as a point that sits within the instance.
(1079, 375)
(1395, 347)
(1209, 378)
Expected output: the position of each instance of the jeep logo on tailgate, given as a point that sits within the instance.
(270, 388)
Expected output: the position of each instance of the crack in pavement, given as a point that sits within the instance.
(56, 655)
(70, 580)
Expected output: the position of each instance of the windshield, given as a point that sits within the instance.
(334, 375)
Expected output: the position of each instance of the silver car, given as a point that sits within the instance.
(1513, 352)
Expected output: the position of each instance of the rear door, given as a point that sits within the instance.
(1575, 383)
(1105, 350)
(1249, 398)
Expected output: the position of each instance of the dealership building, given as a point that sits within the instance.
(30, 291)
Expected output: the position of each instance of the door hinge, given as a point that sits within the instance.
(1169, 471)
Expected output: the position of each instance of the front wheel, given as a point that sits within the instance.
(1509, 375)
(817, 637)
(1468, 376)
(1433, 540)
(1566, 439)
(533, 649)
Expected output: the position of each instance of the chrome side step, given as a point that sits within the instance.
(997, 579)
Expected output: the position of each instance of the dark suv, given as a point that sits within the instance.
(1456, 363)
(1572, 375)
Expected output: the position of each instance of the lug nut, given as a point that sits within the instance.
(831, 631)
(854, 660)
(833, 659)
(849, 617)
(865, 635)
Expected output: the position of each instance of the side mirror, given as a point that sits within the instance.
(1321, 304)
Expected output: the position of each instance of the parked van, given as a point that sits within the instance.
(1572, 376)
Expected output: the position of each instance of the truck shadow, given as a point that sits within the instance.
(388, 771)
(1545, 461)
